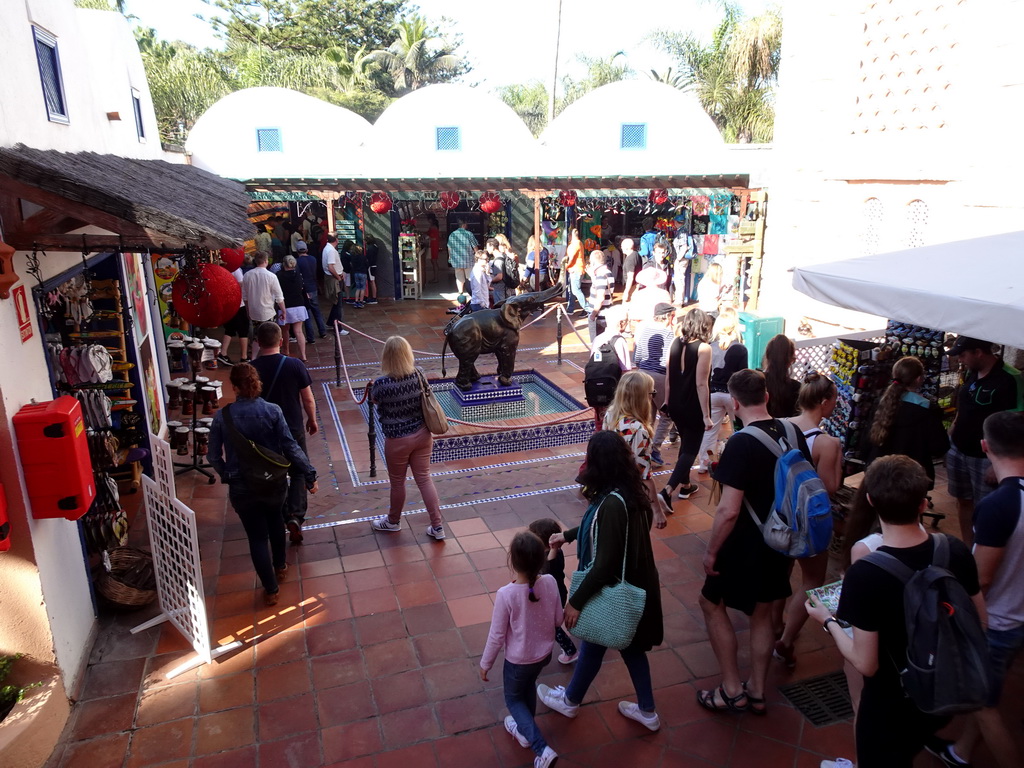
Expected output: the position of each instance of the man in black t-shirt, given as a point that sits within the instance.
(286, 383)
(890, 729)
(990, 387)
(742, 571)
(630, 267)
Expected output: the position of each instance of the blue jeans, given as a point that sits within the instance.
(315, 314)
(520, 682)
(1003, 646)
(575, 292)
(589, 664)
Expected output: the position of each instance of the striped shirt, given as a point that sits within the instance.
(399, 405)
(601, 284)
(462, 247)
(652, 346)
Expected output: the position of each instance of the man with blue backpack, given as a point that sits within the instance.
(915, 613)
(761, 471)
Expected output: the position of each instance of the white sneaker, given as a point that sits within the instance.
(513, 729)
(554, 698)
(546, 759)
(839, 762)
(564, 658)
(435, 531)
(382, 524)
(630, 709)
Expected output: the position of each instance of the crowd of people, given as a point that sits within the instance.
(681, 374)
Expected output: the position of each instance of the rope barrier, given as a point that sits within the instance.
(573, 326)
(344, 367)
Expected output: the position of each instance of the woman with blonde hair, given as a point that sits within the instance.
(407, 441)
(688, 397)
(728, 355)
(709, 289)
(907, 423)
(631, 415)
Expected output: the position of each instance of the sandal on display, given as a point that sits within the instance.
(707, 700)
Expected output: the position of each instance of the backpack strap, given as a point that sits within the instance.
(237, 440)
(940, 554)
(903, 572)
(791, 434)
(764, 438)
(273, 381)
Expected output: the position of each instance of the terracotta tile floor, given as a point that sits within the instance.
(370, 659)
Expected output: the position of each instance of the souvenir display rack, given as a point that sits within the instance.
(197, 397)
(408, 252)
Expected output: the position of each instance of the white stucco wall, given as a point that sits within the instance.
(100, 64)
(318, 139)
(881, 104)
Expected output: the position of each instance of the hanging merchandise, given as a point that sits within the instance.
(450, 200)
(232, 258)
(567, 198)
(490, 202)
(205, 295)
(658, 196)
(380, 202)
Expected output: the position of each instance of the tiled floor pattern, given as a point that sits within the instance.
(370, 659)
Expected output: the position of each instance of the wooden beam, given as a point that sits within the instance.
(10, 212)
(49, 220)
(64, 242)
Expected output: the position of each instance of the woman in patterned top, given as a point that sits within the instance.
(407, 441)
(631, 415)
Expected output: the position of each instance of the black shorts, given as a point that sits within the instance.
(238, 325)
(371, 272)
(890, 730)
(749, 572)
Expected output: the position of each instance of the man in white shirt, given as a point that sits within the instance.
(261, 293)
(331, 262)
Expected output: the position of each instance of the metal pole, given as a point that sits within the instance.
(536, 240)
(372, 436)
(337, 354)
(558, 333)
(554, 73)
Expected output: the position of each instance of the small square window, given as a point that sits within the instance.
(49, 74)
(269, 140)
(634, 136)
(449, 139)
(140, 128)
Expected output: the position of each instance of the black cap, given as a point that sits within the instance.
(964, 343)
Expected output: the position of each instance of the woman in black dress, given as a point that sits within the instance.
(688, 398)
(779, 356)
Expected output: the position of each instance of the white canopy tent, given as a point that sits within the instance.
(972, 287)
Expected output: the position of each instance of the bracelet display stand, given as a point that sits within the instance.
(197, 396)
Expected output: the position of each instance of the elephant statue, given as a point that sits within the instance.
(492, 331)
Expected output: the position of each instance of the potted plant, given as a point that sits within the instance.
(11, 694)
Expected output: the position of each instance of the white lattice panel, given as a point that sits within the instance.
(174, 541)
(917, 223)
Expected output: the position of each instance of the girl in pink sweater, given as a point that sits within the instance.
(526, 613)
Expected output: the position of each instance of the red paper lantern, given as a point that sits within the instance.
(490, 202)
(206, 297)
(450, 200)
(658, 196)
(232, 258)
(567, 198)
(380, 202)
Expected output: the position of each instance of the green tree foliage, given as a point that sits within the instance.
(308, 26)
(734, 75)
(529, 101)
(419, 56)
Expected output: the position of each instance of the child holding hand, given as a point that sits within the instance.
(525, 615)
(554, 564)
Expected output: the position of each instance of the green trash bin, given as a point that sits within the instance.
(756, 332)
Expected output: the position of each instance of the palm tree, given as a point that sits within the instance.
(418, 57)
(599, 72)
(529, 101)
(676, 80)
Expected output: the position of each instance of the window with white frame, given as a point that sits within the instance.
(50, 76)
(448, 138)
(269, 140)
(140, 128)
(634, 136)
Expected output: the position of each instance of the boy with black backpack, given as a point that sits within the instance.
(609, 359)
(915, 610)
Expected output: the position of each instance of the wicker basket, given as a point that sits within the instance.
(130, 583)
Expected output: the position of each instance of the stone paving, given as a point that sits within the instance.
(370, 658)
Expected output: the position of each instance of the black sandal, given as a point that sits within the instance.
(707, 700)
(755, 705)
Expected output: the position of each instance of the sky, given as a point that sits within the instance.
(513, 47)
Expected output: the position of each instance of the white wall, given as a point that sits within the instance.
(100, 64)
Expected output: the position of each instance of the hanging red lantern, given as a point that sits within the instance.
(450, 200)
(490, 202)
(658, 196)
(380, 202)
(207, 296)
(232, 258)
(567, 198)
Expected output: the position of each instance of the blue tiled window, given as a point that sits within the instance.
(634, 136)
(269, 140)
(449, 138)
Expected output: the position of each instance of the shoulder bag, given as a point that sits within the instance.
(433, 413)
(610, 617)
(263, 470)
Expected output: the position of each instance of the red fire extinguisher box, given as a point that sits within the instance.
(55, 458)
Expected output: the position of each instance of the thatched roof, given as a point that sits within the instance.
(181, 201)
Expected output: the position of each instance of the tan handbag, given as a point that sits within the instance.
(433, 413)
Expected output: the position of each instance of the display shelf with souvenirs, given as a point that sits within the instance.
(408, 253)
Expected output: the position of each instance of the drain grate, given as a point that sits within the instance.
(822, 700)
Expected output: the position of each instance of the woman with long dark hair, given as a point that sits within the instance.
(688, 399)
(621, 512)
(728, 355)
(779, 356)
(261, 512)
(907, 423)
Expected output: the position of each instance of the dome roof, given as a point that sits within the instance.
(294, 130)
(449, 131)
(634, 128)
